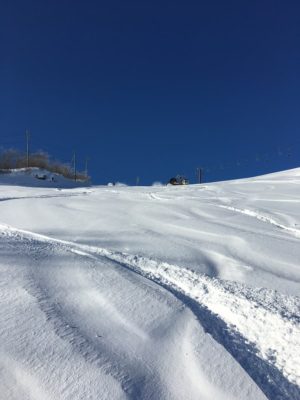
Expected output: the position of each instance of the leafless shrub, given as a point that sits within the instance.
(14, 159)
(10, 159)
(40, 160)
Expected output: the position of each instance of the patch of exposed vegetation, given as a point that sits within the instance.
(11, 159)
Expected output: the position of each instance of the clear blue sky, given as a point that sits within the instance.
(154, 88)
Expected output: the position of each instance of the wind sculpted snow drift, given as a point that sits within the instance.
(151, 292)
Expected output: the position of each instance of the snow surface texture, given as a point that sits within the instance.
(151, 293)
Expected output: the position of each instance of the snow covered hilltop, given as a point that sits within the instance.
(186, 292)
(38, 177)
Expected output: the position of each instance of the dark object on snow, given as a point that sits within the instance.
(39, 176)
(179, 180)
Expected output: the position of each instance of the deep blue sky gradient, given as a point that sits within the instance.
(154, 88)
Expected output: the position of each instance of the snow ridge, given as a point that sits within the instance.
(295, 232)
(248, 322)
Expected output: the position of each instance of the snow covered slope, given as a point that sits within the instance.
(151, 292)
(37, 177)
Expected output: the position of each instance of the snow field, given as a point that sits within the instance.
(143, 293)
(97, 330)
(266, 320)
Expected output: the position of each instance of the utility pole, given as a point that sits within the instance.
(137, 180)
(86, 167)
(199, 173)
(27, 146)
(74, 165)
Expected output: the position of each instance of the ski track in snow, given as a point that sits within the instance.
(45, 196)
(293, 231)
(259, 327)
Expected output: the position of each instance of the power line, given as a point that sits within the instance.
(286, 152)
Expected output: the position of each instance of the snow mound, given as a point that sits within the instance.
(37, 177)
